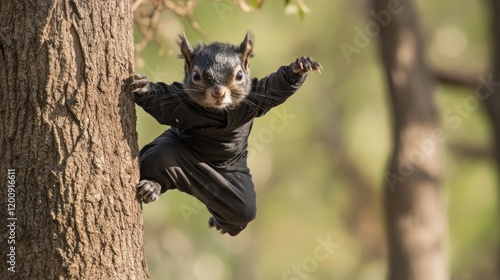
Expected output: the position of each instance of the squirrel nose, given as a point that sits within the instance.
(218, 91)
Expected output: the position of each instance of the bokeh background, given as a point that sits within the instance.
(319, 172)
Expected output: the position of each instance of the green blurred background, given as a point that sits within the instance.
(319, 173)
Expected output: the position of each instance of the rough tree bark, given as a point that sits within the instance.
(67, 129)
(414, 207)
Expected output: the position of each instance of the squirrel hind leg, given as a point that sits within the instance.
(148, 191)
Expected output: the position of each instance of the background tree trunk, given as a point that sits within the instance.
(67, 128)
(414, 207)
(492, 103)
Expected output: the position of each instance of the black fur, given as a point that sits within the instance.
(218, 64)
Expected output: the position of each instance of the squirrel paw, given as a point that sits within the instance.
(148, 191)
(304, 65)
(211, 224)
(140, 84)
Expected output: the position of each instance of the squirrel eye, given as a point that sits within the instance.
(196, 76)
(239, 76)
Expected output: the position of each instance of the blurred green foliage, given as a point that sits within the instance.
(320, 176)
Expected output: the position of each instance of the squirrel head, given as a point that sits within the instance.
(217, 76)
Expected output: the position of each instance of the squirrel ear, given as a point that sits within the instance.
(186, 50)
(246, 49)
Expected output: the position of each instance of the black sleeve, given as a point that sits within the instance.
(161, 101)
(274, 89)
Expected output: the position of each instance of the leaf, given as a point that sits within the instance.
(291, 9)
(300, 7)
(302, 13)
(303, 7)
(258, 3)
(249, 6)
(252, 6)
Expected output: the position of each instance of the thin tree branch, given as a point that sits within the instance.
(455, 78)
(136, 4)
(469, 150)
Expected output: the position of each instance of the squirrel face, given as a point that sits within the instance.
(217, 76)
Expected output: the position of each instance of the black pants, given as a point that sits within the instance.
(228, 193)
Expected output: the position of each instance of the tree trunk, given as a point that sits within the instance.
(492, 103)
(414, 207)
(68, 145)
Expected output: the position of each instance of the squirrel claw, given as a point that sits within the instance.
(148, 191)
(141, 90)
(140, 84)
(304, 65)
(211, 224)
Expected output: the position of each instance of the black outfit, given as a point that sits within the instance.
(204, 152)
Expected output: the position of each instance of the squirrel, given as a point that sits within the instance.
(210, 114)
